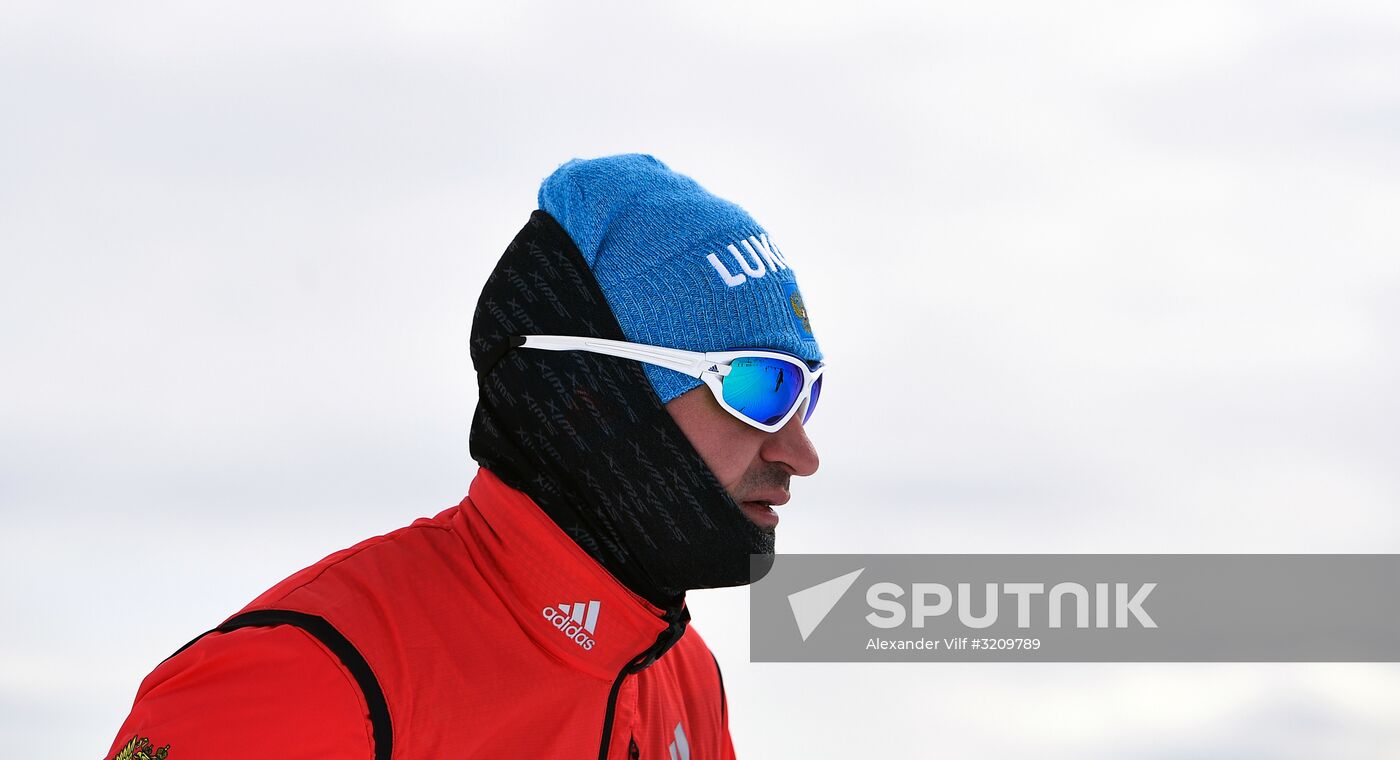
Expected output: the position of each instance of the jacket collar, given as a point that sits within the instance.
(566, 602)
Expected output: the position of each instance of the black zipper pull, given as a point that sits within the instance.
(676, 620)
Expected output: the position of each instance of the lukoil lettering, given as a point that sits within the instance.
(759, 257)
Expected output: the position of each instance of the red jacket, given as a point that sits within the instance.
(482, 632)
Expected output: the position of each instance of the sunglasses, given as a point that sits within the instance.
(760, 387)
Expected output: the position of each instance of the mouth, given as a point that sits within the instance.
(760, 512)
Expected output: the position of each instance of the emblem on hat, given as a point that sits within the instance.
(799, 310)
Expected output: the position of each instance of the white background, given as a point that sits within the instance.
(1091, 277)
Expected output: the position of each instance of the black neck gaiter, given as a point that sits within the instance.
(586, 437)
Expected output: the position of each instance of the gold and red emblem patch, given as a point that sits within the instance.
(139, 748)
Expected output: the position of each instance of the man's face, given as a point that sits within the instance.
(753, 466)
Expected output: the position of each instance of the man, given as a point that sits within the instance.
(645, 365)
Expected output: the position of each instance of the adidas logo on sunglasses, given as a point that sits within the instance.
(759, 250)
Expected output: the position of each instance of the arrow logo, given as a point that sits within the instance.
(810, 606)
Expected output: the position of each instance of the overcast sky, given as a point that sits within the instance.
(1090, 277)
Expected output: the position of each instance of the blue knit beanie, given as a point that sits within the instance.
(679, 267)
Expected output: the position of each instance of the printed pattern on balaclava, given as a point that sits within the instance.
(587, 438)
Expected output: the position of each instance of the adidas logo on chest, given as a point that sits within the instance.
(577, 620)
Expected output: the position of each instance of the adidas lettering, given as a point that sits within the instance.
(577, 621)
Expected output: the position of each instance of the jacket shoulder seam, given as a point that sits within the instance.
(382, 539)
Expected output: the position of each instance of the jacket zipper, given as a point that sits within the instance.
(676, 620)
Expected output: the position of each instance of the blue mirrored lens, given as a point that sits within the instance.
(761, 388)
(812, 400)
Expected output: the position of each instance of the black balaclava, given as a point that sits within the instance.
(586, 437)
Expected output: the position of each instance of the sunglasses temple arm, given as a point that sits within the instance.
(685, 362)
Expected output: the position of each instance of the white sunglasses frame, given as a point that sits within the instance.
(709, 367)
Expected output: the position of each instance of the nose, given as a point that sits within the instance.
(791, 448)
